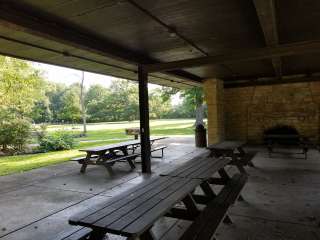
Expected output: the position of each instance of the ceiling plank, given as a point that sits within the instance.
(23, 18)
(245, 55)
(267, 17)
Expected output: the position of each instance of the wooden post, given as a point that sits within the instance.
(144, 120)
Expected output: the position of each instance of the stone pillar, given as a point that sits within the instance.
(214, 97)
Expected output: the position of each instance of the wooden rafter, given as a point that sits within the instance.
(267, 17)
(246, 55)
(270, 81)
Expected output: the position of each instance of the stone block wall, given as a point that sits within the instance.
(248, 111)
(214, 97)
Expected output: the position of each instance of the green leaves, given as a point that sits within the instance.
(14, 133)
(20, 86)
(119, 102)
(57, 141)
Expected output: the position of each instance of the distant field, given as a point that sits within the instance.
(98, 134)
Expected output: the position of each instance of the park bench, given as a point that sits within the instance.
(158, 148)
(80, 160)
(78, 233)
(109, 154)
(94, 160)
(206, 224)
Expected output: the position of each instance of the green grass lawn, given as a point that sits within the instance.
(98, 134)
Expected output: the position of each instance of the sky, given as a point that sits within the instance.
(69, 76)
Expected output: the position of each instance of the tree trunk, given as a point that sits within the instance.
(199, 114)
(83, 109)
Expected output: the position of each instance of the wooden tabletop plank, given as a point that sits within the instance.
(202, 168)
(149, 204)
(146, 220)
(186, 166)
(139, 214)
(206, 173)
(122, 211)
(133, 193)
(206, 163)
(117, 145)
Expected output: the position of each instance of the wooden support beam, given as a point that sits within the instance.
(267, 17)
(270, 81)
(245, 55)
(23, 18)
(144, 120)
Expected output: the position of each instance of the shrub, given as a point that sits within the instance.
(14, 133)
(57, 141)
(41, 132)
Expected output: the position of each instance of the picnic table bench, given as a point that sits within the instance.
(133, 131)
(109, 154)
(235, 151)
(288, 141)
(77, 233)
(133, 213)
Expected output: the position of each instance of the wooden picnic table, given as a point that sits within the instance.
(133, 213)
(107, 155)
(119, 146)
(201, 167)
(235, 151)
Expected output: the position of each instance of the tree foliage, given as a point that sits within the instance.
(20, 86)
(25, 98)
(24, 94)
(192, 104)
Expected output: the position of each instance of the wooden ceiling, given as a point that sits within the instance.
(238, 39)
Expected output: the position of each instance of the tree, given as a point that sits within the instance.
(41, 112)
(55, 94)
(82, 105)
(158, 108)
(64, 102)
(119, 102)
(20, 86)
(70, 111)
(193, 99)
(125, 98)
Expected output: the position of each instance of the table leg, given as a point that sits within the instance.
(103, 160)
(147, 235)
(243, 155)
(227, 220)
(192, 209)
(224, 175)
(208, 191)
(109, 168)
(85, 163)
(238, 164)
(97, 235)
(125, 153)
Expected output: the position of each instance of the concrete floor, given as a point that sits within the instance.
(281, 197)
